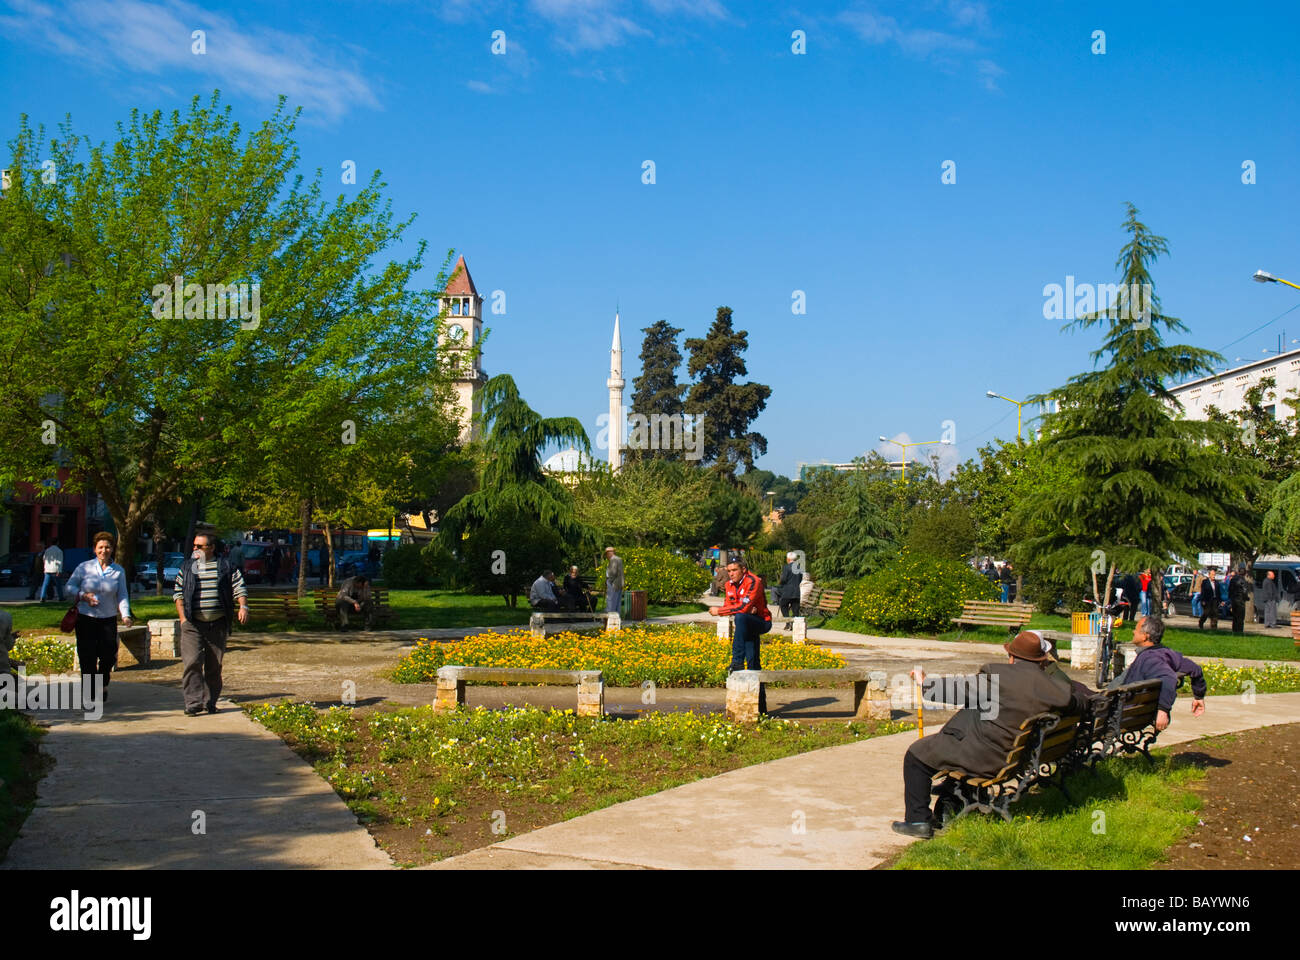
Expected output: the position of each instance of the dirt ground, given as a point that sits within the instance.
(1250, 819)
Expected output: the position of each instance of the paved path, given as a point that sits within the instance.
(124, 789)
(845, 797)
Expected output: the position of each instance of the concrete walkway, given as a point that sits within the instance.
(123, 793)
(843, 797)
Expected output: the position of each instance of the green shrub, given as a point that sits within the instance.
(665, 576)
(767, 564)
(44, 655)
(915, 592)
(407, 566)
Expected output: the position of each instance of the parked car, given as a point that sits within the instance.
(16, 569)
(353, 562)
(1180, 602)
(256, 557)
(146, 573)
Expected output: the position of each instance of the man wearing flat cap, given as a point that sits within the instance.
(977, 739)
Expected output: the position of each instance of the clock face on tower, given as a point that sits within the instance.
(457, 332)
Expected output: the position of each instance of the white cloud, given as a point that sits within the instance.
(478, 86)
(588, 24)
(942, 47)
(154, 38)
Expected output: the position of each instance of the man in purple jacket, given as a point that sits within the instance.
(1157, 662)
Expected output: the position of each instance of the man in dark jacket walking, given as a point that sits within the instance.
(997, 701)
(1238, 593)
(1155, 661)
(1268, 596)
(1210, 596)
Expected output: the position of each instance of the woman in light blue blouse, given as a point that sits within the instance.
(102, 589)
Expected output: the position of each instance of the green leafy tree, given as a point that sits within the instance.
(1143, 487)
(150, 395)
(727, 406)
(943, 530)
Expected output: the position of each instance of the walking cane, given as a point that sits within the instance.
(920, 707)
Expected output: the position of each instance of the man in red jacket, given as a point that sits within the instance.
(747, 601)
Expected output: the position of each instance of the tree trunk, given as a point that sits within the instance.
(1110, 580)
(305, 518)
(1250, 587)
(1156, 593)
(158, 536)
(329, 546)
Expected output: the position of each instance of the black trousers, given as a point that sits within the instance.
(96, 647)
(1238, 618)
(916, 788)
(789, 608)
(203, 645)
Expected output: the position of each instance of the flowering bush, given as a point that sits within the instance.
(1271, 678)
(47, 655)
(665, 576)
(914, 592)
(675, 656)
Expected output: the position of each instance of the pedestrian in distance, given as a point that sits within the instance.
(273, 564)
(1211, 594)
(787, 594)
(1268, 596)
(207, 589)
(613, 581)
(53, 566)
(1238, 594)
(37, 572)
(102, 595)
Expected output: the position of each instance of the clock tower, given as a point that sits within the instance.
(462, 316)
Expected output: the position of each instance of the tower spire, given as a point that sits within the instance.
(615, 384)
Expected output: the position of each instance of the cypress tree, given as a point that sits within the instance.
(727, 406)
(656, 390)
(1141, 485)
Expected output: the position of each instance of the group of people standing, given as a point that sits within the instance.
(1207, 593)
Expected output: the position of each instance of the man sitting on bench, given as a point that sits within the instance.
(354, 597)
(1157, 662)
(542, 596)
(1000, 698)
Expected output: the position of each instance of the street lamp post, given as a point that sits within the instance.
(1019, 407)
(914, 443)
(1262, 276)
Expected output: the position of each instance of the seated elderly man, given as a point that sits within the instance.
(997, 700)
(354, 597)
(1155, 661)
(542, 596)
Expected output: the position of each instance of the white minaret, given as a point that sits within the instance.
(615, 384)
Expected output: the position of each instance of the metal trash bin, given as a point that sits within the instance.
(636, 604)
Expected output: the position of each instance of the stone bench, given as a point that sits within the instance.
(135, 646)
(537, 621)
(165, 639)
(871, 698)
(452, 681)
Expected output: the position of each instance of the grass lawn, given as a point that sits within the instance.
(429, 786)
(1193, 643)
(1125, 818)
(21, 766)
(412, 609)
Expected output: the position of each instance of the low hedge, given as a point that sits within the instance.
(666, 577)
(43, 655)
(914, 592)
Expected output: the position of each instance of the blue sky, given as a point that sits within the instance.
(774, 172)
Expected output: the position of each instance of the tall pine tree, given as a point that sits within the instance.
(1143, 484)
(727, 406)
(656, 390)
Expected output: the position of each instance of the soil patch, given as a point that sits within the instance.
(1250, 819)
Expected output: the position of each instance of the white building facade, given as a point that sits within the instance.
(1227, 390)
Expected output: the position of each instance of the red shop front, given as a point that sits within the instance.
(48, 512)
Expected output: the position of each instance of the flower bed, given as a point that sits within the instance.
(677, 656)
(43, 655)
(1221, 679)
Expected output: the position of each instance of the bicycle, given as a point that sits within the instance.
(1107, 648)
